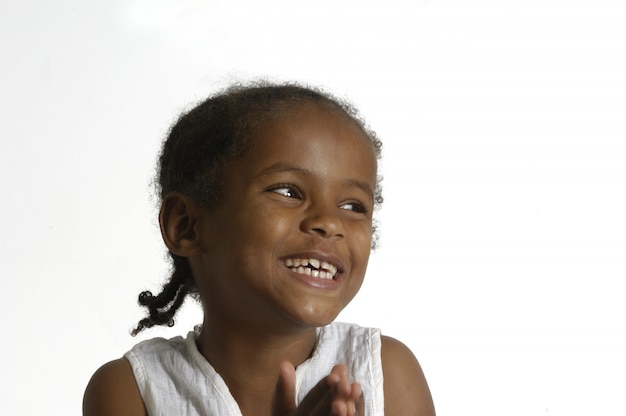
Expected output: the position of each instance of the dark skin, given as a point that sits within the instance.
(304, 190)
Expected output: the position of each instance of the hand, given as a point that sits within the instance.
(334, 395)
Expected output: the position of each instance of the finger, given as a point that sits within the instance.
(319, 397)
(319, 400)
(339, 408)
(340, 371)
(360, 403)
(355, 404)
(349, 406)
(285, 395)
(328, 385)
(342, 385)
(356, 391)
(333, 390)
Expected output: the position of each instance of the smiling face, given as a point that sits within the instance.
(289, 242)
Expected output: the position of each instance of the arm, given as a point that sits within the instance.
(112, 391)
(406, 390)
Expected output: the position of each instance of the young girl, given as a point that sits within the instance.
(267, 194)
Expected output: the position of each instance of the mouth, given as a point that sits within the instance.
(312, 267)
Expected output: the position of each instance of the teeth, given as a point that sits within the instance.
(312, 267)
(329, 267)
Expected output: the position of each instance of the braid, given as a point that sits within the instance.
(163, 307)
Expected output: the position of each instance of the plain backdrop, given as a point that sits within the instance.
(502, 253)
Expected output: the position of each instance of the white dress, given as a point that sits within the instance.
(175, 379)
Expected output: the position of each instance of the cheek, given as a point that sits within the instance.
(362, 247)
(264, 227)
(363, 241)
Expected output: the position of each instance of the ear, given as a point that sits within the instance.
(178, 219)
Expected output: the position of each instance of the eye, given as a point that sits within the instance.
(287, 191)
(355, 207)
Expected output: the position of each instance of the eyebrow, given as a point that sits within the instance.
(285, 167)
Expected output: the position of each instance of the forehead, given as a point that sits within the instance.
(312, 123)
(316, 137)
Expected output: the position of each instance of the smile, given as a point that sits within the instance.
(312, 267)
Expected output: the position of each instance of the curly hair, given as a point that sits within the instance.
(201, 142)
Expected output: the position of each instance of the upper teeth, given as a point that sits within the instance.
(312, 267)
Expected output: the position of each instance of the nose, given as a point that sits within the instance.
(323, 220)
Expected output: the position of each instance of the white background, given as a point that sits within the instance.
(503, 245)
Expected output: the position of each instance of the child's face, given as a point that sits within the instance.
(302, 194)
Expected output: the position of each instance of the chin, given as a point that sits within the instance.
(314, 317)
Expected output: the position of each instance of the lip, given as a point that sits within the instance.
(328, 284)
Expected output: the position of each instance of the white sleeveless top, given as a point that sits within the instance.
(175, 379)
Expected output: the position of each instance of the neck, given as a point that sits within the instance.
(248, 359)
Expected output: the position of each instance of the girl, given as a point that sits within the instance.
(267, 194)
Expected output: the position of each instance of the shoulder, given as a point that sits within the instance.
(112, 390)
(406, 390)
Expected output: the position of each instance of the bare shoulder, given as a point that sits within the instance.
(405, 387)
(112, 390)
